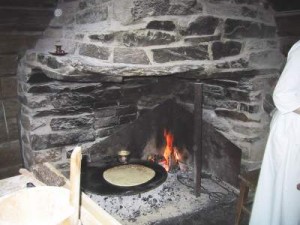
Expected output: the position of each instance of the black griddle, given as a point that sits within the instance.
(92, 179)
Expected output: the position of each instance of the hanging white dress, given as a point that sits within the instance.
(277, 200)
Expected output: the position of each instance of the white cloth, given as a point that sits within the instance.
(277, 200)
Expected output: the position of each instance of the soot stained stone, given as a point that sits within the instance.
(123, 110)
(38, 77)
(204, 25)
(106, 122)
(66, 99)
(39, 89)
(224, 49)
(53, 63)
(55, 87)
(181, 53)
(61, 112)
(240, 63)
(223, 65)
(161, 25)
(199, 40)
(127, 118)
(94, 51)
(238, 95)
(249, 12)
(108, 94)
(213, 89)
(83, 122)
(233, 115)
(40, 142)
(243, 29)
(92, 15)
(104, 132)
(33, 101)
(225, 82)
(144, 8)
(102, 37)
(106, 112)
(249, 108)
(146, 38)
(130, 55)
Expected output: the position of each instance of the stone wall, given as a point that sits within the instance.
(230, 45)
(21, 24)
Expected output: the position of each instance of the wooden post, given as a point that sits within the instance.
(197, 147)
(75, 171)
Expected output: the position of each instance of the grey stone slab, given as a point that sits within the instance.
(70, 99)
(199, 40)
(130, 56)
(49, 155)
(225, 49)
(181, 53)
(203, 25)
(139, 38)
(45, 141)
(144, 8)
(69, 123)
(161, 25)
(94, 51)
(105, 38)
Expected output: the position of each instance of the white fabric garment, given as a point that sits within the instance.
(277, 200)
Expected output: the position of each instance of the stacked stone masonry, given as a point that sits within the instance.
(231, 46)
(22, 23)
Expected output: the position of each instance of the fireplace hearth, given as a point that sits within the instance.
(127, 76)
(174, 200)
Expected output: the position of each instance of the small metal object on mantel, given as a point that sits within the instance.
(197, 148)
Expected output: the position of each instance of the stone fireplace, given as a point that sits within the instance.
(128, 73)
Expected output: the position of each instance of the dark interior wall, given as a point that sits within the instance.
(287, 18)
(21, 24)
(288, 29)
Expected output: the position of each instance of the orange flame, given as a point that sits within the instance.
(168, 149)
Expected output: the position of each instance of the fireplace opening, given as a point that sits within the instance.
(163, 139)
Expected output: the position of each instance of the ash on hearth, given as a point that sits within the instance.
(174, 198)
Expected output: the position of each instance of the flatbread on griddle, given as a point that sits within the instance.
(128, 175)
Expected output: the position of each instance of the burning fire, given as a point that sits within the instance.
(170, 152)
(171, 158)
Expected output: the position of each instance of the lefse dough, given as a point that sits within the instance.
(128, 175)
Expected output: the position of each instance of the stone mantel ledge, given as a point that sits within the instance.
(79, 69)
